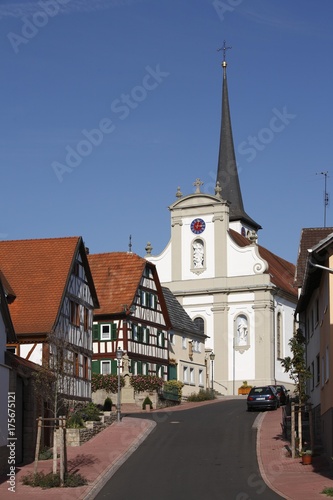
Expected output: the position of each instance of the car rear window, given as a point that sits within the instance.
(260, 390)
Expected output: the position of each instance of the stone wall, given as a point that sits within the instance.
(76, 437)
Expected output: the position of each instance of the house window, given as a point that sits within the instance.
(327, 365)
(105, 367)
(152, 301)
(201, 377)
(185, 374)
(184, 342)
(109, 331)
(85, 367)
(105, 332)
(160, 338)
(74, 313)
(86, 319)
(191, 375)
(172, 338)
(76, 365)
(317, 369)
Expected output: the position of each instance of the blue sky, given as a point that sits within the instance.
(107, 106)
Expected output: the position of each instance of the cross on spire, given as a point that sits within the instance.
(224, 48)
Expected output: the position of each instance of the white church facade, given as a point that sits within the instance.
(241, 294)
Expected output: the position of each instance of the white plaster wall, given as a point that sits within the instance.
(244, 261)
(241, 365)
(36, 356)
(162, 263)
(187, 239)
(287, 310)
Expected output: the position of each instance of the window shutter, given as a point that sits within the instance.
(139, 365)
(114, 367)
(95, 334)
(113, 331)
(95, 366)
(147, 335)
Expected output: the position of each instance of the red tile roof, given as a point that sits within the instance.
(309, 237)
(281, 271)
(37, 271)
(116, 276)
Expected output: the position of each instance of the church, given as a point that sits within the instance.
(240, 295)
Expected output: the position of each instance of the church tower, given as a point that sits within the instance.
(240, 294)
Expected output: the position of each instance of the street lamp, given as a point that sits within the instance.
(119, 355)
(212, 357)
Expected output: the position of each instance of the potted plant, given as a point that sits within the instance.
(306, 456)
(244, 389)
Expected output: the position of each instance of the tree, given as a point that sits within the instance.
(298, 372)
(53, 383)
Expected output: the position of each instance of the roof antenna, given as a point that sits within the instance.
(130, 244)
(326, 195)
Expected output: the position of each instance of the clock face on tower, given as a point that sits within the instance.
(198, 226)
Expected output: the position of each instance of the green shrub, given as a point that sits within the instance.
(89, 411)
(45, 454)
(170, 385)
(50, 480)
(147, 401)
(107, 404)
(75, 421)
(328, 492)
(202, 395)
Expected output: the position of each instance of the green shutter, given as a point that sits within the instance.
(147, 335)
(114, 367)
(139, 364)
(113, 331)
(95, 331)
(95, 366)
(172, 372)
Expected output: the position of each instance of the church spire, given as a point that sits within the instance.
(227, 174)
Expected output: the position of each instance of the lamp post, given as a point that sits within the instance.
(119, 355)
(212, 357)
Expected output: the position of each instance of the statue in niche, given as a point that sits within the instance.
(198, 254)
(242, 331)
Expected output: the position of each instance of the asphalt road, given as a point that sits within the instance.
(205, 453)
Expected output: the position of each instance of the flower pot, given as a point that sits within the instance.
(306, 459)
(243, 391)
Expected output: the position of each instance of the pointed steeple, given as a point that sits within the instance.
(227, 174)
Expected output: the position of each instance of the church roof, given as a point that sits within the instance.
(281, 271)
(227, 174)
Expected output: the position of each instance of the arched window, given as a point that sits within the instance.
(200, 324)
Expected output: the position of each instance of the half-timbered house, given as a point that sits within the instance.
(132, 316)
(53, 297)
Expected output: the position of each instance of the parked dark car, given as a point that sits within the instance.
(282, 392)
(264, 397)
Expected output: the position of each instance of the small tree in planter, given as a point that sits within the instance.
(147, 402)
(107, 404)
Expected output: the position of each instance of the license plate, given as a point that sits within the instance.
(260, 399)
